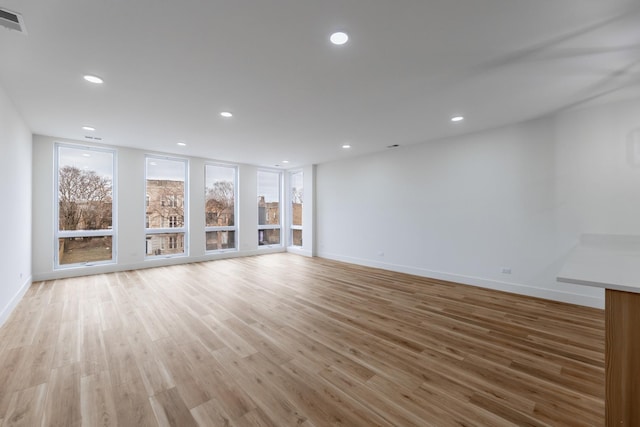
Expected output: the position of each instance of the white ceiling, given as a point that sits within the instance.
(171, 67)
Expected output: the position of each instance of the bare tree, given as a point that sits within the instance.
(220, 199)
(85, 199)
(296, 195)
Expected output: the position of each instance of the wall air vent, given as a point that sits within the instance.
(12, 21)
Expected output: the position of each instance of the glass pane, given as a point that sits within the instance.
(74, 250)
(297, 237)
(269, 237)
(296, 198)
(220, 195)
(217, 240)
(268, 198)
(165, 193)
(85, 189)
(165, 244)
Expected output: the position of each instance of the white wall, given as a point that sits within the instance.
(463, 208)
(15, 216)
(130, 246)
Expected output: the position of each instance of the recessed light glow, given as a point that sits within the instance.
(86, 154)
(285, 161)
(346, 146)
(339, 38)
(226, 114)
(91, 128)
(182, 144)
(457, 119)
(93, 79)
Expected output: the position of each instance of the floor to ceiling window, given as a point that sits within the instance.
(220, 207)
(296, 195)
(269, 217)
(85, 231)
(166, 206)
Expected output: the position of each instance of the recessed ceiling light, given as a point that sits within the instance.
(339, 38)
(93, 79)
(91, 128)
(226, 114)
(457, 119)
(345, 146)
(285, 161)
(86, 154)
(182, 144)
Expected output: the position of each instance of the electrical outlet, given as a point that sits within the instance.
(506, 270)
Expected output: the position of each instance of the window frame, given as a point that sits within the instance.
(280, 210)
(184, 230)
(227, 228)
(65, 234)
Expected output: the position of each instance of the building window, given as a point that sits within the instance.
(220, 207)
(166, 189)
(172, 201)
(85, 232)
(296, 193)
(269, 190)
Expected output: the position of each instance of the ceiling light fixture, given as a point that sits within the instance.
(346, 146)
(90, 128)
(457, 119)
(93, 79)
(226, 114)
(182, 144)
(339, 38)
(285, 161)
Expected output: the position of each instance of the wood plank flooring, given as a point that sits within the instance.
(280, 340)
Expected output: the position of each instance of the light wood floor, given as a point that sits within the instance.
(282, 340)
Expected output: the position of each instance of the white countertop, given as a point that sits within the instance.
(604, 261)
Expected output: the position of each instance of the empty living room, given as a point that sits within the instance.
(330, 213)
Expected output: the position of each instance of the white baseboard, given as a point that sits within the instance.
(515, 288)
(299, 251)
(6, 310)
(150, 263)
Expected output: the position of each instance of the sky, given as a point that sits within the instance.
(219, 173)
(269, 186)
(99, 161)
(296, 180)
(160, 168)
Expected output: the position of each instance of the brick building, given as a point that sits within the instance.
(164, 209)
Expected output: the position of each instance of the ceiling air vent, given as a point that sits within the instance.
(12, 21)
